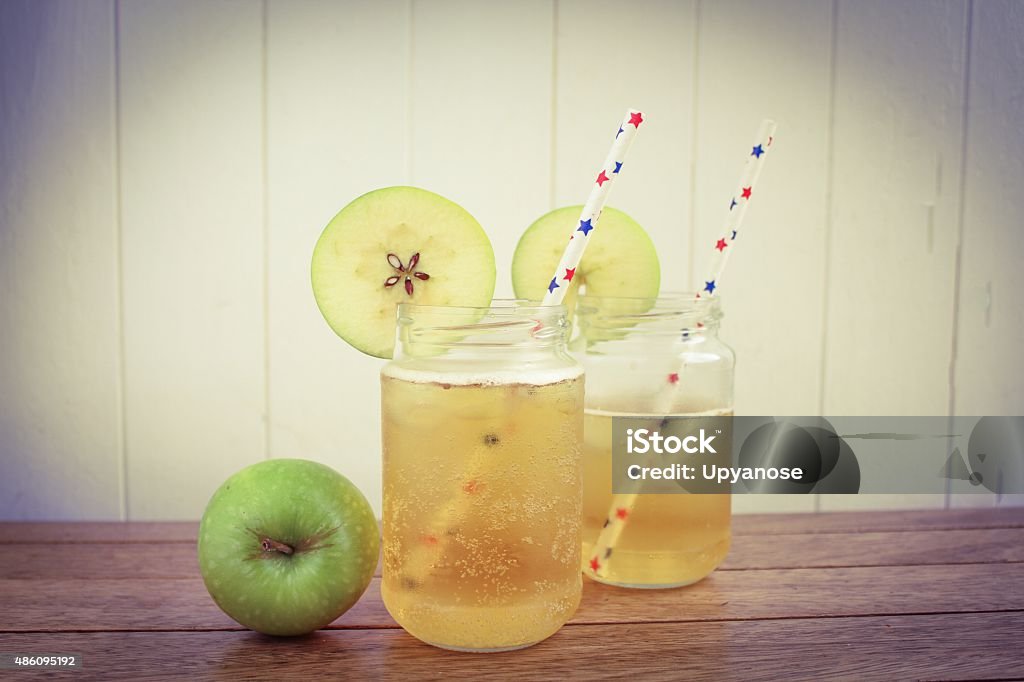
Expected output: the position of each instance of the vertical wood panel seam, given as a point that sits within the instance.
(829, 197)
(694, 109)
(409, 94)
(553, 142)
(122, 426)
(265, 206)
(961, 212)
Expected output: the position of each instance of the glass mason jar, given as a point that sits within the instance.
(650, 358)
(482, 420)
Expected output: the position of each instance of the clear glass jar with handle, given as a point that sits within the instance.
(482, 417)
(650, 358)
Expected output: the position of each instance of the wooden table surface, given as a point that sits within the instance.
(878, 595)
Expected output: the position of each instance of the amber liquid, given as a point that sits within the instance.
(482, 500)
(671, 540)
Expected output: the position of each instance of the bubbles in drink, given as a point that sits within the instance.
(672, 539)
(482, 508)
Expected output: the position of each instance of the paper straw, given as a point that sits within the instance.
(623, 504)
(738, 205)
(580, 235)
(421, 559)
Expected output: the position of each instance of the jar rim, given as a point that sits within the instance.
(668, 313)
(695, 299)
(505, 323)
(498, 306)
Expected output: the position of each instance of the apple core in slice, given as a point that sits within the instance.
(394, 245)
(620, 259)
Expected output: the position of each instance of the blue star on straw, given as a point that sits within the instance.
(709, 287)
(552, 286)
(758, 151)
(618, 167)
(585, 227)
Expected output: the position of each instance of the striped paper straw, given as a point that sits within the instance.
(623, 504)
(580, 236)
(421, 559)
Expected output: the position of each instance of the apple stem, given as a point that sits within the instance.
(270, 545)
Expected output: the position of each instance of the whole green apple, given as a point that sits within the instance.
(287, 545)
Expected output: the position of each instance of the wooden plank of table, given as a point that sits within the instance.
(143, 560)
(140, 560)
(977, 646)
(878, 521)
(183, 604)
(97, 531)
(743, 524)
(868, 548)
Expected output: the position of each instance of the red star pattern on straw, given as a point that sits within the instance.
(621, 505)
(591, 213)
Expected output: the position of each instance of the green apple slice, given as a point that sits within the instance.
(392, 245)
(620, 259)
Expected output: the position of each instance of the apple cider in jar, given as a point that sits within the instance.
(482, 418)
(651, 358)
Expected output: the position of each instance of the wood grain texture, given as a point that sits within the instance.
(191, 128)
(50, 532)
(901, 621)
(971, 646)
(880, 521)
(183, 603)
(916, 548)
(742, 524)
(156, 560)
(60, 428)
(337, 127)
(645, 62)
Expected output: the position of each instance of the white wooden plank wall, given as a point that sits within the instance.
(60, 404)
(337, 90)
(895, 191)
(989, 375)
(608, 59)
(165, 168)
(771, 314)
(191, 158)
